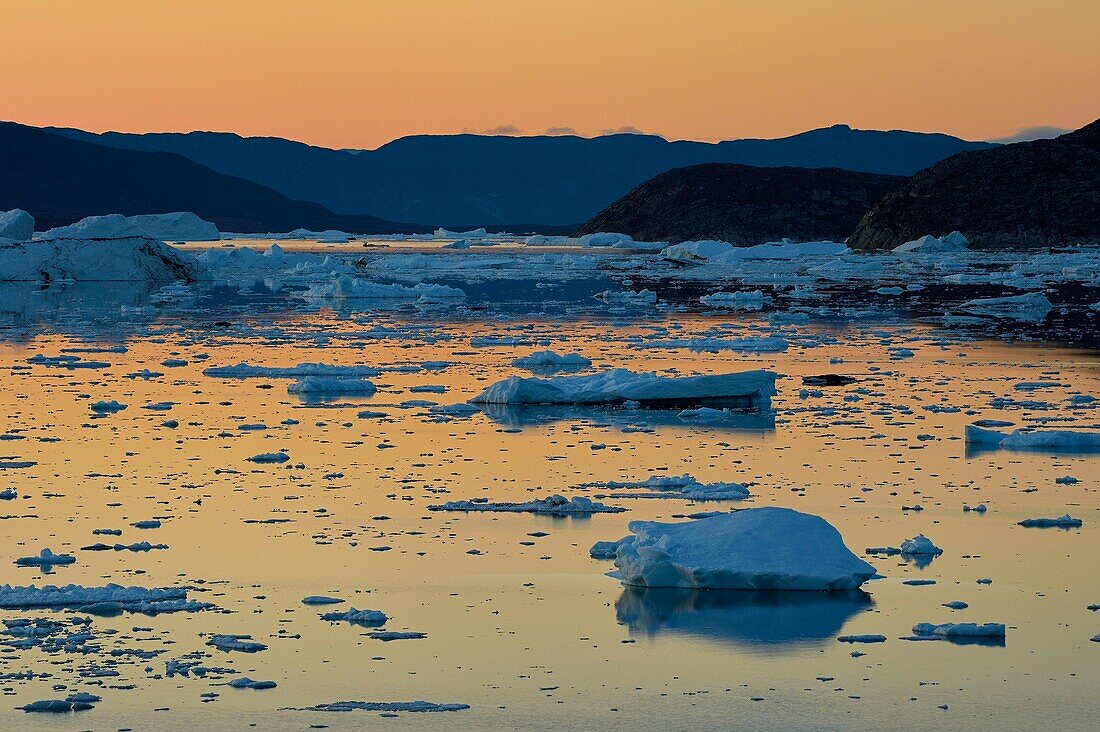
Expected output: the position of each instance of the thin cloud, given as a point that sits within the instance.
(560, 131)
(625, 130)
(1035, 132)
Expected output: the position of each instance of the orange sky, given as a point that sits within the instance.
(358, 73)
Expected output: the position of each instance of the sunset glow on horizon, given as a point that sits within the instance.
(358, 74)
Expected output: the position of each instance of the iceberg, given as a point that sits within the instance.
(1062, 522)
(920, 545)
(969, 630)
(368, 618)
(734, 300)
(749, 388)
(178, 226)
(928, 244)
(753, 549)
(244, 370)
(551, 361)
(16, 225)
(108, 597)
(95, 249)
(1036, 440)
(345, 287)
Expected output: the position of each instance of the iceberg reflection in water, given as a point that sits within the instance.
(768, 621)
(630, 420)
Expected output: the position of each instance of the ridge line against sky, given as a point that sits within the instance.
(357, 74)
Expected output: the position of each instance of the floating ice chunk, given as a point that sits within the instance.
(754, 549)
(322, 385)
(607, 549)
(920, 545)
(1062, 522)
(980, 508)
(780, 250)
(45, 558)
(107, 407)
(695, 251)
(369, 618)
(393, 635)
(734, 300)
(56, 706)
(411, 706)
(554, 505)
(750, 388)
(956, 605)
(321, 600)
(269, 457)
(683, 486)
(178, 226)
(16, 225)
(235, 642)
(246, 683)
(866, 638)
(928, 244)
(1037, 440)
(549, 360)
(961, 630)
(1032, 307)
(346, 287)
(628, 297)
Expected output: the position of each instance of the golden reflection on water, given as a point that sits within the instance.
(529, 635)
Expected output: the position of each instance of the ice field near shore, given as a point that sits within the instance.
(272, 498)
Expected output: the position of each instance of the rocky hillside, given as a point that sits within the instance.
(1031, 194)
(745, 205)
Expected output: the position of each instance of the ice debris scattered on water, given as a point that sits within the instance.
(555, 504)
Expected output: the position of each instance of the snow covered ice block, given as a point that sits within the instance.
(754, 549)
(16, 225)
(332, 386)
(748, 388)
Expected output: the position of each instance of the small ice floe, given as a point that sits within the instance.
(866, 638)
(1062, 522)
(980, 508)
(246, 683)
(108, 599)
(321, 600)
(57, 706)
(920, 545)
(269, 457)
(554, 505)
(331, 386)
(8, 494)
(364, 706)
(1067, 480)
(918, 582)
(680, 486)
(956, 605)
(45, 558)
(138, 546)
(753, 549)
(354, 288)
(628, 297)
(1032, 307)
(750, 388)
(107, 407)
(393, 635)
(235, 642)
(948, 631)
(734, 300)
(368, 618)
(1036, 440)
(244, 370)
(551, 361)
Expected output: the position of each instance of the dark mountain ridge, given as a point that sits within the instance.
(60, 180)
(499, 180)
(745, 205)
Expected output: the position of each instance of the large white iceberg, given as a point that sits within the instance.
(751, 388)
(95, 249)
(928, 244)
(16, 225)
(177, 226)
(1032, 307)
(753, 549)
(1036, 440)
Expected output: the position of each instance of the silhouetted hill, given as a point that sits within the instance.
(745, 205)
(486, 180)
(60, 180)
(1030, 194)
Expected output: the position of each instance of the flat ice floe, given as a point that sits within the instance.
(331, 386)
(248, 371)
(751, 388)
(1032, 307)
(106, 598)
(961, 630)
(753, 549)
(354, 288)
(681, 486)
(1062, 522)
(1034, 440)
(365, 706)
(553, 505)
